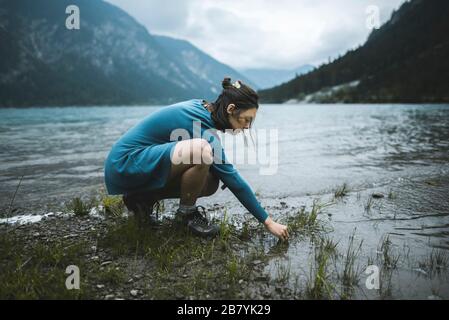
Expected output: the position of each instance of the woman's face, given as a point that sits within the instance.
(243, 120)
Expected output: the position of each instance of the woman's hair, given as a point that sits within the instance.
(237, 93)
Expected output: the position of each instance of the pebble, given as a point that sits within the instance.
(109, 296)
(266, 293)
(179, 296)
(134, 293)
(262, 278)
(72, 235)
(420, 271)
(103, 264)
(377, 195)
(100, 286)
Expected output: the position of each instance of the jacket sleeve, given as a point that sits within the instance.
(231, 178)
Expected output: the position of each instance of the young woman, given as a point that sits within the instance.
(146, 164)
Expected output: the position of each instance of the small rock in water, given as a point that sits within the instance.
(134, 293)
(377, 195)
(420, 271)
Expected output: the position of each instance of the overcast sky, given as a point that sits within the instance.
(262, 33)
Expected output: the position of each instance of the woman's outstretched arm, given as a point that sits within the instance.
(227, 173)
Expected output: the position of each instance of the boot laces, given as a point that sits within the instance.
(200, 216)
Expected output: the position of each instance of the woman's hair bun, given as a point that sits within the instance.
(226, 83)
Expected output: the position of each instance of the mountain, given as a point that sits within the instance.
(204, 67)
(110, 60)
(267, 78)
(405, 61)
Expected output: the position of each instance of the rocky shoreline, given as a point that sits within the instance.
(119, 259)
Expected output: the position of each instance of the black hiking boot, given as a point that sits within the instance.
(197, 222)
(142, 206)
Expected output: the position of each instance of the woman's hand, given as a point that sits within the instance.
(277, 229)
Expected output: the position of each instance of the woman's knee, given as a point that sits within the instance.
(193, 152)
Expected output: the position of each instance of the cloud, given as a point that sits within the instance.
(158, 16)
(262, 33)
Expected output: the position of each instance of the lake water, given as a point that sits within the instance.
(60, 151)
(373, 148)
